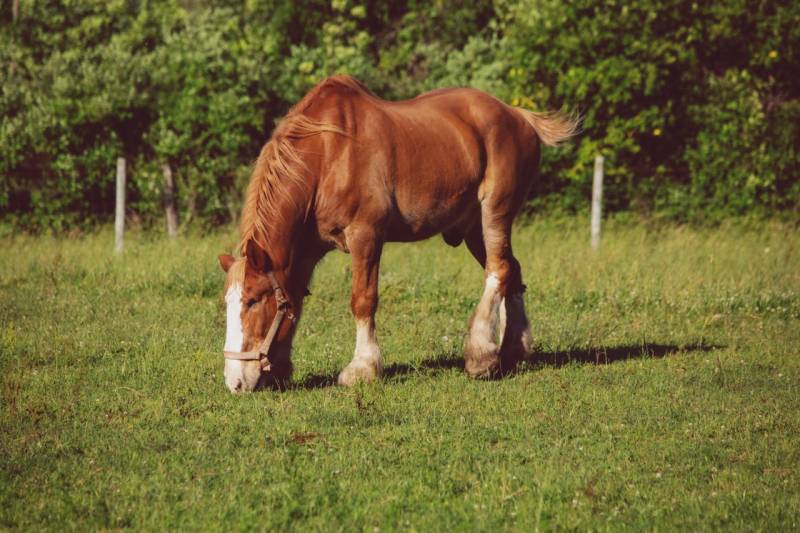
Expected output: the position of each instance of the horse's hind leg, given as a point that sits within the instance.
(501, 304)
(516, 341)
(367, 363)
(481, 355)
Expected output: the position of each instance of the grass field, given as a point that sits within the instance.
(665, 392)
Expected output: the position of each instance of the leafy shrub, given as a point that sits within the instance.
(741, 161)
(694, 105)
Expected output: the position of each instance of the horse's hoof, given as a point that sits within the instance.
(481, 360)
(352, 374)
(508, 365)
(510, 359)
(488, 368)
(512, 353)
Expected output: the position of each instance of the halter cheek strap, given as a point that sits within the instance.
(262, 354)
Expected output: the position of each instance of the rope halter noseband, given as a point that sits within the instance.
(262, 354)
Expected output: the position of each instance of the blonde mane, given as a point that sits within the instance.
(280, 164)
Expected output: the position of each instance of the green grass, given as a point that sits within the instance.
(665, 393)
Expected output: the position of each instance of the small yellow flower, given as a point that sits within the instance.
(773, 54)
(657, 132)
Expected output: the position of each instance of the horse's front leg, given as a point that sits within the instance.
(367, 363)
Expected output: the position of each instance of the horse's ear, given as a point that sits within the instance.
(225, 261)
(257, 257)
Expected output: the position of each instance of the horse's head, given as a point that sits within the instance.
(260, 319)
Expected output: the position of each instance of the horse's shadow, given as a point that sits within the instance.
(601, 355)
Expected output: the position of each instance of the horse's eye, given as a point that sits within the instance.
(251, 302)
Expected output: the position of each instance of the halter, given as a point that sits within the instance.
(262, 354)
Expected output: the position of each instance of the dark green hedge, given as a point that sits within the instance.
(696, 105)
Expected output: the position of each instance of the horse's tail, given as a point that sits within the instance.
(552, 127)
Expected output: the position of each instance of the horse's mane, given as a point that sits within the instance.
(279, 163)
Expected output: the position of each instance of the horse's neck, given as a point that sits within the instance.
(303, 253)
(293, 245)
(286, 227)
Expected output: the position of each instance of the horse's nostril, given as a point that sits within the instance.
(238, 387)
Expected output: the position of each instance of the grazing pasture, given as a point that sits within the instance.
(663, 394)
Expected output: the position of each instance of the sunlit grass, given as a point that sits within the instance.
(663, 393)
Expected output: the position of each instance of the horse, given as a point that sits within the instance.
(347, 170)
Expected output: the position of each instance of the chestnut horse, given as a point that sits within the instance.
(345, 169)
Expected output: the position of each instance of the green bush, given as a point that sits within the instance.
(741, 161)
(655, 83)
(694, 105)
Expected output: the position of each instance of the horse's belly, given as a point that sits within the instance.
(427, 218)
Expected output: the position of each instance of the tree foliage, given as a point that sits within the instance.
(696, 106)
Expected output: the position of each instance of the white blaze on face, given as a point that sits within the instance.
(234, 338)
(234, 332)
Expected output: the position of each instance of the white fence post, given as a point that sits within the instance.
(170, 212)
(119, 219)
(597, 200)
